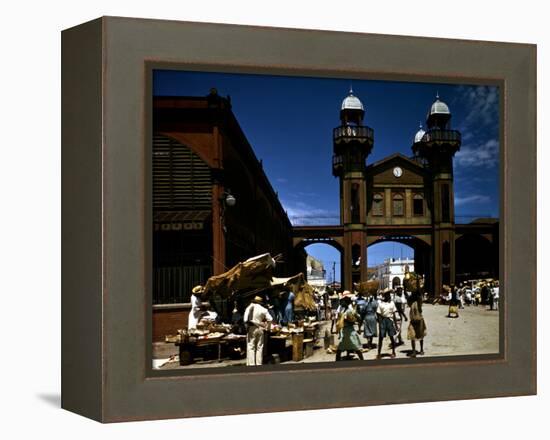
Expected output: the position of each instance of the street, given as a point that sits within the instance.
(475, 331)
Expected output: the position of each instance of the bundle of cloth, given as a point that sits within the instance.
(304, 293)
(367, 288)
(254, 273)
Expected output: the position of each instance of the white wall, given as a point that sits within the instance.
(30, 84)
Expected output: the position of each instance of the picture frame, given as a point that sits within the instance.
(106, 218)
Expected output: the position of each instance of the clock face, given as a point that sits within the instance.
(397, 172)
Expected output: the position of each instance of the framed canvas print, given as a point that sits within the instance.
(309, 219)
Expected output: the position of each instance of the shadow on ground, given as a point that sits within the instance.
(51, 399)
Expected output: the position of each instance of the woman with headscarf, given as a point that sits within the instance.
(349, 341)
(369, 323)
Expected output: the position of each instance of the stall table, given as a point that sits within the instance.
(188, 347)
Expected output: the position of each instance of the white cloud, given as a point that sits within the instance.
(281, 180)
(482, 102)
(301, 213)
(482, 155)
(471, 199)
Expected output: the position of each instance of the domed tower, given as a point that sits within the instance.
(439, 115)
(435, 149)
(353, 143)
(417, 141)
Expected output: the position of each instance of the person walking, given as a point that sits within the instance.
(461, 295)
(453, 303)
(360, 304)
(386, 312)
(417, 326)
(257, 320)
(349, 339)
(491, 293)
(370, 323)
(335, 313)
(400, 303)
(496, 295)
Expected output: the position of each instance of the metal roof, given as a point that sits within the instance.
(352, 102)
(419, 134)
(439, 107)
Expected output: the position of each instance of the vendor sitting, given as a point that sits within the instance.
(196, 307)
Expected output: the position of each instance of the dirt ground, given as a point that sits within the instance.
(475, 331)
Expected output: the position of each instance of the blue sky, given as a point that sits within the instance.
(289, 121)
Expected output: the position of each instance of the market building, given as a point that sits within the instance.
(213, 205)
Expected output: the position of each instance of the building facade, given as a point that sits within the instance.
(403, 199)
(316, 274)
(391, 273)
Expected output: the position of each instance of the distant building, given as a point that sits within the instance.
(316, 274)
(392, 272)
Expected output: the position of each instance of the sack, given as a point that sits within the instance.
(340, 321)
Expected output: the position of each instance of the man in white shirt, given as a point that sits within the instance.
(257, 320)
(386, 317)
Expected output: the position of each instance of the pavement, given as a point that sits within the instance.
(475, 331)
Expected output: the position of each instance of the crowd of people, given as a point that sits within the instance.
(375, 316)
(471, 293)
(378, 316)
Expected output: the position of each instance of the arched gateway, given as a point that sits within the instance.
(404, 199)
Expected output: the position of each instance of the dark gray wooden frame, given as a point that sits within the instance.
(106, 334)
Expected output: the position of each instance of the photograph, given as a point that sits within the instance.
(317, 219)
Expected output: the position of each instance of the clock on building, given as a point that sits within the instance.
(397, 172)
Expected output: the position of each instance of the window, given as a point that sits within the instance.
(418, 205)
(378, 204)
(398, 205)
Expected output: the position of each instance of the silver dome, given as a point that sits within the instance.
(352, 102)
(419, 135)
(439, 107)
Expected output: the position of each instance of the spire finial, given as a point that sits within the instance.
(420, 124)
(351, 88)
(437, 95)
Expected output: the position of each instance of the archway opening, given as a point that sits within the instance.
(475, 258)
(388, 261)
(323, 266)
(396, 282)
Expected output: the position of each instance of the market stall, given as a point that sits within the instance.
(224, 337)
